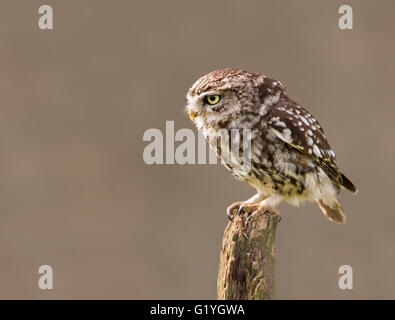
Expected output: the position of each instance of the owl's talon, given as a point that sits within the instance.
(259, 210)
(229, 214)
(245, 208)
(249, 217)
(231, 208)
(279, 219)
(241, 209)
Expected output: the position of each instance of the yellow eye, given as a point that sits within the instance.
(213, 99)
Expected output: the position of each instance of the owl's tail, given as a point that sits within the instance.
(347, 184)
(333, 211)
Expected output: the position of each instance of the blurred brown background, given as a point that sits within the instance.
(76, 194)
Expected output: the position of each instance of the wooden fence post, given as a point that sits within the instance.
(247, 258)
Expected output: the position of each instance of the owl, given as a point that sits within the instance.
(290, 157)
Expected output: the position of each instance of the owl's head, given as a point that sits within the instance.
(221, 94)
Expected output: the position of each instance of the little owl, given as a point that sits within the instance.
(291, 159)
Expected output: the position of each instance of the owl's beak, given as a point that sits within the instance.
(192, 114)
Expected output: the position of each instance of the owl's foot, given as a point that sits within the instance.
(240, 208)
(260, 210)
(244, 206)
(266, 211)
(252, 209)
(233, 207)
(247, 208)
(265, 207)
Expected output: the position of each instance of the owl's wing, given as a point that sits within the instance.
(299, 129)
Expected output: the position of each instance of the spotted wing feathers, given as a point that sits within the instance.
(299, 129)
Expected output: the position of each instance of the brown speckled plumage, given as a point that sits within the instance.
(291, 158)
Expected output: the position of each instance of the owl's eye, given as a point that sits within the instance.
(213, 99)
